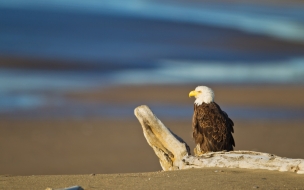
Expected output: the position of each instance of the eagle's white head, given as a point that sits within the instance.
(202, 94)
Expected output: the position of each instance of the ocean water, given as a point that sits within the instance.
(280, 21)
(142, 42)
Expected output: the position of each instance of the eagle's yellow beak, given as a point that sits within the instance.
(193, 93)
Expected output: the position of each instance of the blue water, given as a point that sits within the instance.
(142, 42)
(134, 42)
(280, 21)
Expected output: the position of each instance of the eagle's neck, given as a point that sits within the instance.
(204, 98)
(199, 102)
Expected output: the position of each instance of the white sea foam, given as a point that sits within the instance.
(16, 80)
(183, 71)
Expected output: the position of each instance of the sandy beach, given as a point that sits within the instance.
(33, 146)
(208, 178)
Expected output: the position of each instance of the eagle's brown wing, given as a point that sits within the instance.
(212, 128)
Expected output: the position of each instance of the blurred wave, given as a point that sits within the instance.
(137, 32)
(183, 71)
(142, 42)
(283, 22)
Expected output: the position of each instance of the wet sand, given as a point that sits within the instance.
(275, 96)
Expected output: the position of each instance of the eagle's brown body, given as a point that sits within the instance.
(212, 128)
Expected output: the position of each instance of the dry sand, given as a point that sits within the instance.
(31, 147)
(208, 178)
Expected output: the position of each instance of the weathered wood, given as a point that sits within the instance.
(174, 153)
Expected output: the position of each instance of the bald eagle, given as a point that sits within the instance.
(212, 128)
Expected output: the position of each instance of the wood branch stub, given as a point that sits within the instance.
(169, 148)
(174, 153)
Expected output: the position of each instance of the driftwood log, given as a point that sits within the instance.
(174, 153)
